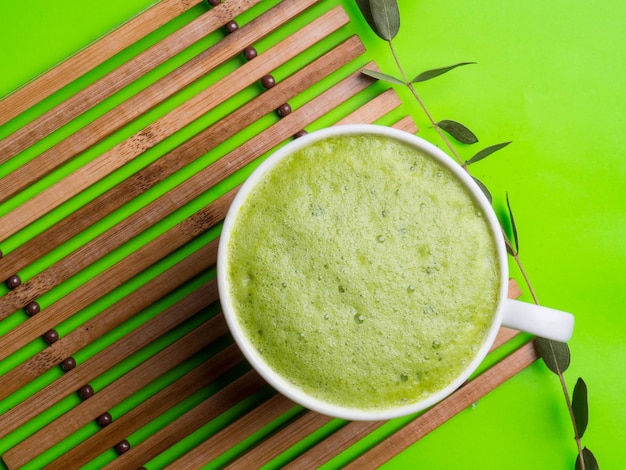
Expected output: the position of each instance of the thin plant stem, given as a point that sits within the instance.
(421, 103)
(573, 419)
(518, 261)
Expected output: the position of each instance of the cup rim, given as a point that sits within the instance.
(277, 381)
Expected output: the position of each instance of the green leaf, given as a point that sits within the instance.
(513, 226)
(428, 74)
(484, 153)
(555, 354)
(364, 6)
(484, 189)
(458, 131)
(382, 76)
(580, 406)
(382, 16)
(589, 459)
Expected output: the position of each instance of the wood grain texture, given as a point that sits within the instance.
(166, 204)
(173, 121)
(347, 88)
(373, 109)
(178, 158)
(56, 389)
(150, 409)
(189, 422)
(110, 356)
(115, 276)
(280, 441)
(221, 442)
(180, 234)
(348, 435)
(122, 76)
(109, 319)
(92, 56)
(156, 93)
(406, 124)
(111, 395)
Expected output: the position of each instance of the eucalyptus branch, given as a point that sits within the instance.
(383, 17)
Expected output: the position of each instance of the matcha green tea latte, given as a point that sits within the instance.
(363, 272)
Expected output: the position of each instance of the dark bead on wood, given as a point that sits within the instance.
(214, 3)
(104, 419)
(13, 282)
(267, 81)
(68, 364)
(231, 26)
(86, 392)
(32, 308)
(300, 133)
(121, 447)
(284, 109)
(51, 336)
(249, 53)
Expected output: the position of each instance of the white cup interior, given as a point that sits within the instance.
(282, 384)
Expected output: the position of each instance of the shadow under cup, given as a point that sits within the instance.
(544, 322)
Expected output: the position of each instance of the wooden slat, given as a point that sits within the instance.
(109, 357)
(282, 440)
(114, 276)
(406, 124)
(504, 334)
(348, 435)
(439, 414)
(373, 109)
(189, 422)
(176, 159)
(156, 93)
(212, 448)
(109, 319)
(111, 395)
(514, 290)
(39, 398)
(149, 253)
(127, 73)
(158, 209)
(92, 56)
(158, 131)
(151, 408)
(221, 442)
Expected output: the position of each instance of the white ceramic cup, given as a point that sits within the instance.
(541, 321)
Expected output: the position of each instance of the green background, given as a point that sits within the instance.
(550, 78)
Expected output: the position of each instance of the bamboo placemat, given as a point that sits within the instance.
(113, 351)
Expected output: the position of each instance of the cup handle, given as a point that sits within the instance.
(535, 319)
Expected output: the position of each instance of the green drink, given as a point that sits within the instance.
(363, 272)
